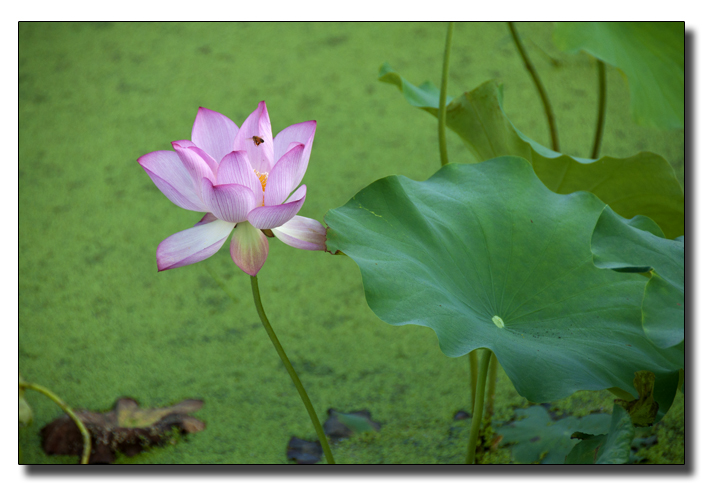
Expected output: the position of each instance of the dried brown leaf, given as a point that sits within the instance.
(127, 429)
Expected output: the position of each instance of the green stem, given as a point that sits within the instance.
(71, 414)
(477, 415)
(443, 98)
(291, 372)
(601, 110)
(473, 365)
(540, 88)
(492, 376)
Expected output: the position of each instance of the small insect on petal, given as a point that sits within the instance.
(257, 140)
(498, 321)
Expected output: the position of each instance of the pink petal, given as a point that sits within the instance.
(303, 132)
(194, 160)
(301, 232)
(192, 245)
(228, 202)
(214, 133)
(257, 124)
(298, 194)
(208, 218)
(249, 248)
(172, 178)
(284, 172)
(235, 169)
(265, 217)
(183, 144)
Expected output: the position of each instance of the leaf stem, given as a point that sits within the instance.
(81, 427)
(492, 376)
(291, 372)
(473, 365)
(540, 88)
(602, 94)
(477, 415)
(444, 159)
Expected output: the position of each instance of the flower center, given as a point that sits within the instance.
(263, 177)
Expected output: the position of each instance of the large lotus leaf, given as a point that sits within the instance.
(619, 244)
(644, 184)
(486, 256)
(650, 54)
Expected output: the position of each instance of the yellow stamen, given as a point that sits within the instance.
(263, 177)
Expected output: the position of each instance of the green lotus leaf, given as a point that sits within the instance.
(586, 451)
(486, 256)
(536, 438)
(606, 449)
(650, 54)
(644, 184)
(626, 245)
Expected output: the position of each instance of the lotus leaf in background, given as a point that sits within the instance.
(341, 425)
(644, 184)
(304, 452)
(486, 256)
(606, 449)
(637, 245)
(650, 54)
(536, 434)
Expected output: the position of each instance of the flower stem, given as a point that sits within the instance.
(81, 427)
(291, 372)
(443, 98)
(601, 110)
(540, 88)
(477, 415)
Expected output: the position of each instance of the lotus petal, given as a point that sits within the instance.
(172, 178)
(214, 133)
(304, 133)
(229, 202)
(235, 169)
(260, 153)
(192, 245)
(249, 248)
(283, 175)
(267, 217)
(304, 233)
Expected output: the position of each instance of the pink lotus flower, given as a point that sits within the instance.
(243, 179)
